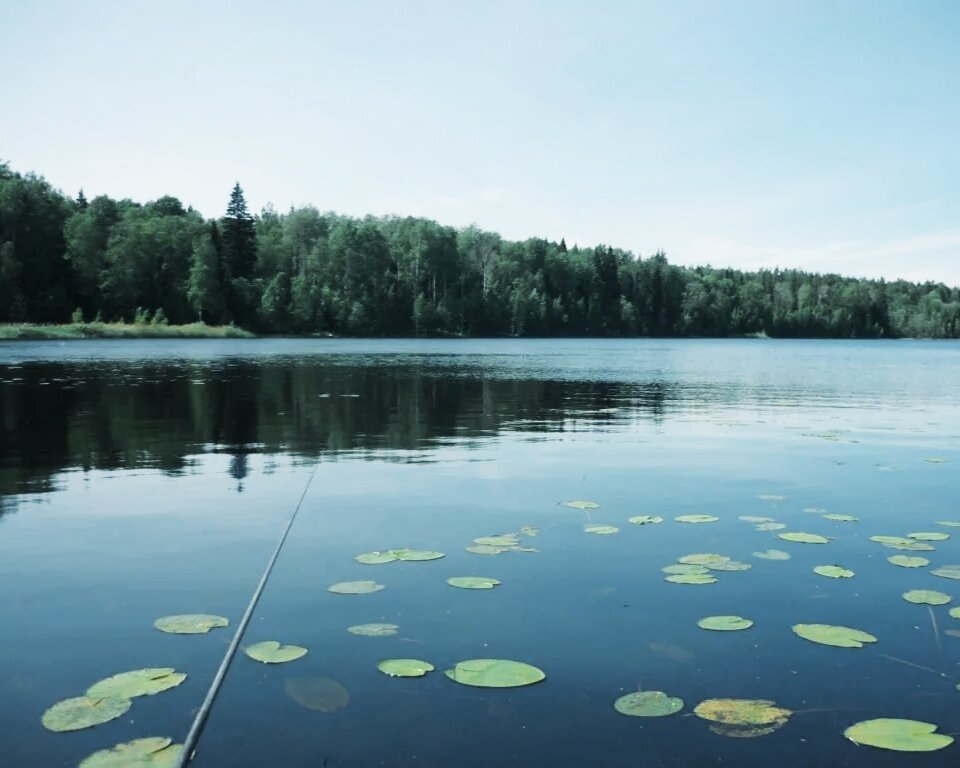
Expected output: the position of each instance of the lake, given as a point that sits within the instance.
(141, 479)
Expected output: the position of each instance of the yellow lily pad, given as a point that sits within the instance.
(139, 682)
(804, 538)
(155, 751)
(898, 735)
(742, 712)
(905, 561)
(83, 712)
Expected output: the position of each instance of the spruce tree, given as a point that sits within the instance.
(81, 201)
(238, 237)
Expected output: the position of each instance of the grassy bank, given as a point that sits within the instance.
(29, 331)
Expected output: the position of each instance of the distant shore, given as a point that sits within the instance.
(34, 332)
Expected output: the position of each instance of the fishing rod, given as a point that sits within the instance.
(188, 749)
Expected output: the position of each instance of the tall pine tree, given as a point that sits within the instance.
(238, 237)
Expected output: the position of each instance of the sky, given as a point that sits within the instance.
(820, 135)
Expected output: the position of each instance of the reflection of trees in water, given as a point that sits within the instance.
(157, 415)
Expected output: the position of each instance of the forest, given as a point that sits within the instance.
(66, 259)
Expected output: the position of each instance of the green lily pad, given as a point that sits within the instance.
(815, 510)
(473, 582)
(804, 538)
(926, 597)
(355, 587)
(376, 558)
(742, 712)
(770, 527)
(374, 630)
(905, 561)
(319, 694)
(685, 568)
(696, 519)
(841, 518)
(724, 623)
(838, 637)
(529, 531)
(772, 554)
(947, 571)
(600, 530)
(83, 712)
(405, 667)
(928, 536)
(190, 623)
(272, 652)
(417, 555)
(155, 751)
(833, 572)
(648, 704)
(139, 682)
(955, 612)
(645, 519)
(495, 673)
(898, 735)
(901, 542)
(691, 578)
(578, 504)
(949, 523)
(730, 565)
(703, 558)
(755, 519)
(504, 540)
(486, 549)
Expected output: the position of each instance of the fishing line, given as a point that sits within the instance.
(193, 736)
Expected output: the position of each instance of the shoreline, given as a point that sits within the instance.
(76, 331)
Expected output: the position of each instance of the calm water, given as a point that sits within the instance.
(140, 479)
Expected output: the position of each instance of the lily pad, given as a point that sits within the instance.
(771, 497)
(355, 587)
(730, 565)
(928, 536)
(190, 623)
(139, 682)
(905, 561)
(926, 597)
(815, 510)
(955, 612)
(83, 712)
(936, 460)
(901, 542)
(742, 712)
(272, 652)
(898, 735)
(724, 623)
(417, 555)
(696, 519)
(833, 572)
(947, 571)
(691, 578)
(645, 519)
(319, 694)
(949, 523)
(600, 530)
(495, 673)
(841, 518)
(473, 582)
(703, 558)
(486, 549)
(376, 558)
(744, 731)
(528, 530)
(503, 540)
(405, 667)
(755, 519)
(648, 704)
(804, 538)
(156, 751)
(772, 554)
(770, 527)
(838, 637)
(374, 630)
(685, 568)
(578, 504)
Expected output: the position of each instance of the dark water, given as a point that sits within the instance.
(140, 479)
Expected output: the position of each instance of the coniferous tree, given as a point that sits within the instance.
(238, 237)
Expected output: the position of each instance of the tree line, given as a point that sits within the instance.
(308, 272)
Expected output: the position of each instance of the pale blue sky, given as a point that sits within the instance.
(823, 135)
